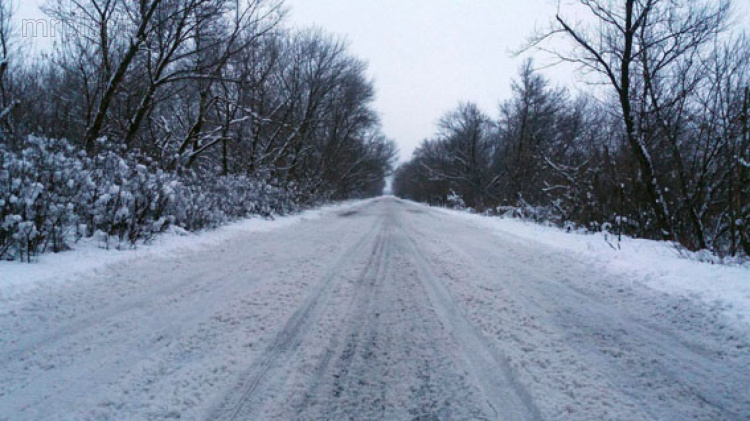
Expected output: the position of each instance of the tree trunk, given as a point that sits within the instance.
(95, 129)
(648, 173)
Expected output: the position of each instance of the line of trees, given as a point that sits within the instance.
(659, 148)
(199, 89)
(213, 84)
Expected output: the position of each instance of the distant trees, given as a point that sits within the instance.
(203, 93)
(215, 86)
(458, 160)
(660, 153)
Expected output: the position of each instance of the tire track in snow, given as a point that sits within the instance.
(145, 297)
(594, 330)
(450, 369)
(386, 354)
(360, 331)
(286, 343)
(504, 393)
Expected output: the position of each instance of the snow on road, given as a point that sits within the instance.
(379, 310)
(90, 255)
(657, 264)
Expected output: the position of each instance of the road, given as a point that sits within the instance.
(385, 310)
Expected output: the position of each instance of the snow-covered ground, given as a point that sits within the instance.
(656, 264)
(381, 309)
(89, 255)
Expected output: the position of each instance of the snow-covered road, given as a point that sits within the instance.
(384, 310)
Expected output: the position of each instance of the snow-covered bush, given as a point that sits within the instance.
(52, 194)
(125, 197)
(525, 211)
(455, 201)
(199, 202)
(40, 197)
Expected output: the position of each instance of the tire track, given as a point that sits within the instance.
(366, 282)
(577, 332)
(287, 342)
(145, 298)
(505, 395)
(361, 330)
(388, 357)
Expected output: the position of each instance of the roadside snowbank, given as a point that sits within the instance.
(656, 264)
(17, 279)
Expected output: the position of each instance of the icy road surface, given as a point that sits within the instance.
(386, 310)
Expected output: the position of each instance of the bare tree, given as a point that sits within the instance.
(528, 127)
(92, 22)
(7, 101)
(632, 43)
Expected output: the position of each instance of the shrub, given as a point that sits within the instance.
(52, 194)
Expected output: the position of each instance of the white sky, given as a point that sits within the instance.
(427, 55)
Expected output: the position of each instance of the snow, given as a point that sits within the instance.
(89, 255)
(659, 265)
(380, 309)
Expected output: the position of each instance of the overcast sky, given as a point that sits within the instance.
(427, 55)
